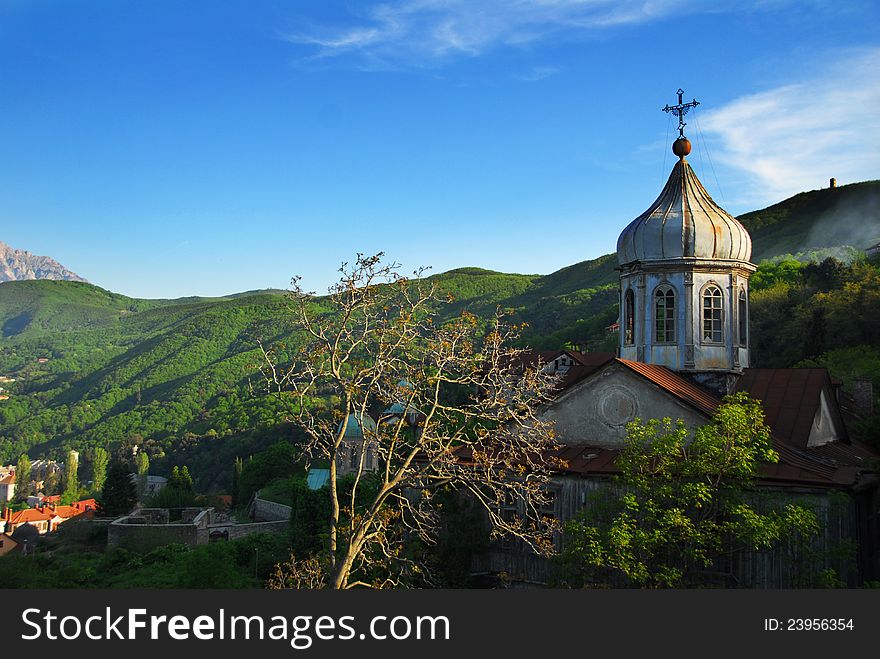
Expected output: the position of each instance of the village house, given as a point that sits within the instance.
(47, 517)
(41, 519)
(7, 486)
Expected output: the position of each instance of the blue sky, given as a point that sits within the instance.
(163, 149)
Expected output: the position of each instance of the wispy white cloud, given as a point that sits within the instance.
(428, 33)
(795, 137)
(537, 73)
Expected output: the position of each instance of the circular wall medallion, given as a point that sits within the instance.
(618, 406)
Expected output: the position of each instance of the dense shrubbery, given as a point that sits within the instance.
(278, 461)
(801, 311)
(244, 563)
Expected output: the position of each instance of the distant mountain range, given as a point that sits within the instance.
(19, 265)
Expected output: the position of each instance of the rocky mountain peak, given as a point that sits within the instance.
(17, 265)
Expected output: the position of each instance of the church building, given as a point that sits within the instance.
(684, 283)
(684, 344)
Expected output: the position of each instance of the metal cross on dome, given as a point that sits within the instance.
(680, 110)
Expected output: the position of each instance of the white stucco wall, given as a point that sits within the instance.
(595, 412)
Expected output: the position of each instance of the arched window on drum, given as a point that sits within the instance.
(664, 315)
(629, 318)
(713, 315)
(743, 313)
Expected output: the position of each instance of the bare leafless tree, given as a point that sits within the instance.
(435, 405)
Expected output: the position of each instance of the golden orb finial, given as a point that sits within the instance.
(681, 147)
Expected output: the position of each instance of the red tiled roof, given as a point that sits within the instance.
(8, 479)
(66, 512)
(590, 362)
(29, 515)
(85, 504)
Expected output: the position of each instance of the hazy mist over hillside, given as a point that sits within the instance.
(853, 221)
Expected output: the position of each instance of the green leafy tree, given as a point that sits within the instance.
(119, 494)
(186, 481)
(237, 467)
(309, 518)
(100, 459)
(23, 477)
(178, 492)
(143, 467)
(71, 483)
(277, 461)
(682, 503)
(128, 448)
(51, 482)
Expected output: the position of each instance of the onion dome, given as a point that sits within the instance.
(684, 222)
(404, 390)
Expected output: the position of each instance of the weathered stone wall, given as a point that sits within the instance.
(144, 537)
(136, 533)
(155, 515)
(236, 531)
(269, 511)
(149, 529)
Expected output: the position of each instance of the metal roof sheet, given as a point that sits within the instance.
(790, 398)
(317, 478)
(675, 384)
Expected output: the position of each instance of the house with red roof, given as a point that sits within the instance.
(39, 518)
(46, 517)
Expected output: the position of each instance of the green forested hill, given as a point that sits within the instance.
(92, 368)
(95, 368)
